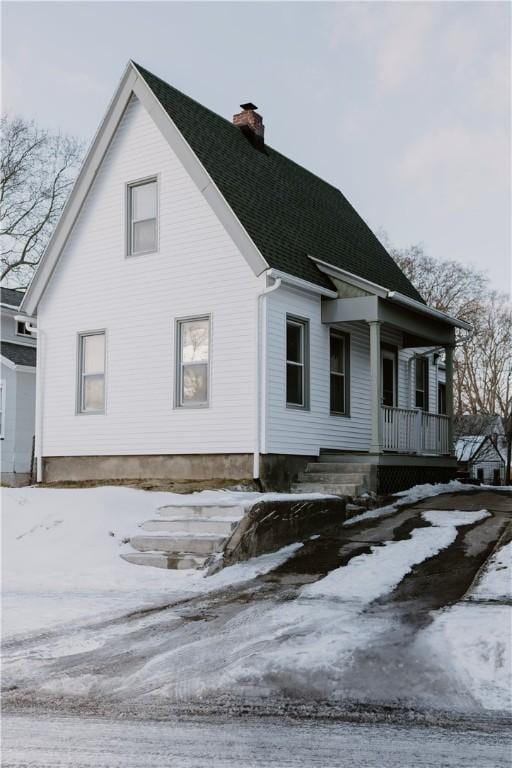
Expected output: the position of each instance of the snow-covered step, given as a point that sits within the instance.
(178, 543)
(336, 489)
(199, 525)
(341, 467)
(162, 560)
(231, 511)
(332, 477)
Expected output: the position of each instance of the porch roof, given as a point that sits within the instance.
(362, 300)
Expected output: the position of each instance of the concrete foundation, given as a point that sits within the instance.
(16, 479)
(277, 472)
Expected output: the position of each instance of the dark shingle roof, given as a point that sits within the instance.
(289, 212)
(19, 354)
(11, 296)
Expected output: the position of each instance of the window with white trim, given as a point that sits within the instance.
(91, 372)
(193, 362)
(2, 407)
(142, 210)
(339, 372)
(297, 362)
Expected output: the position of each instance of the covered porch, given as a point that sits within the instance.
(408, 425)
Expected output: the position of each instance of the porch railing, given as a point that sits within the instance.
(414, 431)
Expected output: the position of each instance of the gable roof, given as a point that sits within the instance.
(469, 448)
(19, 354)
(11, 296)
(289, 213)
(277, 213)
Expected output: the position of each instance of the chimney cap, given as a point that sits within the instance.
(249, 105)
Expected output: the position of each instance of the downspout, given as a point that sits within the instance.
(261, 373)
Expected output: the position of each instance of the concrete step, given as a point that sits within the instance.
(198, 525)
(341, 467)
(231, 511)
(178, 544)
(332, 477)
(337, 489)
(162, 560)
(343, 458)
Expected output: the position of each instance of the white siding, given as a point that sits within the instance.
(8, 376)
(299, 431)
(19, 419)
(197, 271)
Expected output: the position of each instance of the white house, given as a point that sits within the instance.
(17, 391)
(480, 455)
(207, 308)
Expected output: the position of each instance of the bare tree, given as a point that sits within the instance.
(483, 358)
(37, 170)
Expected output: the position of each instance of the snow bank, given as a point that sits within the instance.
(496, 580)
(61, 552)
(472, 643)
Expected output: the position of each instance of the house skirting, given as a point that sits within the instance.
(16, 479)
(276, 471)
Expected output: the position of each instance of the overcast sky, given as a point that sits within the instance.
(403, 106)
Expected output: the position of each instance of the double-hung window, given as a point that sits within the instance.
(421, 398)
(91, 372)
(339, 370)
(142, 209)
(192, 386)
(297, 362)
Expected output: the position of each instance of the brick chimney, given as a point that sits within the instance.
(251, 124)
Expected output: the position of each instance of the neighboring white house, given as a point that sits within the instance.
(481, 457)
(208, 308)
(17, 392)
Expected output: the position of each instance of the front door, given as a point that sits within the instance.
(388, 377)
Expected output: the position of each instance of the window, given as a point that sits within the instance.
(441, 397)
(2, 408)
(91, 372)
(339, 347)
(296, 362)
(421, 400)
(142, 217)
(21, 329)
(388, 358)
(193, 361)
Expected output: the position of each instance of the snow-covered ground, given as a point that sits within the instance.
(62, 567)
(61, 554)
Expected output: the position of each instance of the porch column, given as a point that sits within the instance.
(375, 387)
(448, 350)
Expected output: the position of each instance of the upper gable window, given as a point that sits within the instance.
(142, 210)
(21, 329)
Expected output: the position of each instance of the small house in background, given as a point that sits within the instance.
(17, 392)
(480, 457)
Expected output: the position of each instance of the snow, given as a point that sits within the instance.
(496, 580)
(368, 577)
(413, 495)
(62, 567)
(61, 554)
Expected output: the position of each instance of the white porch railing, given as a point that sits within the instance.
(414, 431)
